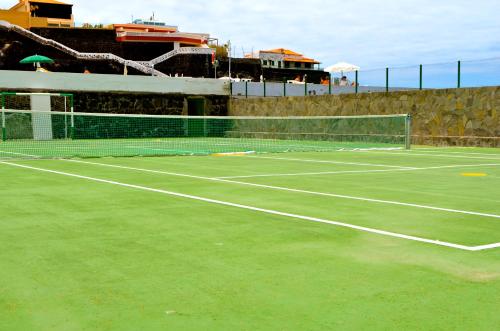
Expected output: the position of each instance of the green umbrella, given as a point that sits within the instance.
(36, 59)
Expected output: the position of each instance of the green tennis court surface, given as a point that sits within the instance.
(339, 240)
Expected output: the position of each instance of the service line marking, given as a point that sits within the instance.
(262, 210)
(20, 154)
(314, 173)
(437, 150)
(281, 188)
(333, 162)
(431, 155)
(360, 171)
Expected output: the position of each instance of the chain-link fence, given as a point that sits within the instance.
(477, 73)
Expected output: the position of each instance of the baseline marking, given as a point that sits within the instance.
(281, 188)
(266, 211)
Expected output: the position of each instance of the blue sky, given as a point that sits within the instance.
(369, 33)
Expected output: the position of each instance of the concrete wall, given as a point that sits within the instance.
(25, 80)
(123, 94)
(464, 117)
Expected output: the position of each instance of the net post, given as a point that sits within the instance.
(459, 78)
(4, 129)
(246, 89)
(408, 131)
(72, 114)
(72, 118)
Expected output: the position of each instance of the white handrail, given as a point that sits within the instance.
(146, 67)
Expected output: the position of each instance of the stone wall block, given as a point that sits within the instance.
(440, 117)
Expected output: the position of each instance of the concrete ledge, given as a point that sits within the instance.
(71, 82)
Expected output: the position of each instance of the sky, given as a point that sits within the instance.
(368, 33)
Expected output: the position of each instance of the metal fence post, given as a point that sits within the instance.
(421, 78)
(356, 82)
(387, 79)
(246, 89)
(284, 87)
(305, 88)
(330, 83)
(264, 81)
(459, 78)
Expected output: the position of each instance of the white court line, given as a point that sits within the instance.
(280, 188)
(266, 211)
(314, 173)
(361, 171)
(431, 154)
(462, 166)
(434, 150)
(332, 162)
(22, 154)
(485, 247)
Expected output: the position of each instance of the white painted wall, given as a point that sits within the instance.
(23, 81)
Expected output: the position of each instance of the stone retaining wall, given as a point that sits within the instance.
(454, 117)
(142, 103)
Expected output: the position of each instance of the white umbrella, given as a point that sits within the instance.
(342, 67)
(229, 79)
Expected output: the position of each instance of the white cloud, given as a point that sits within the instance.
(366, 32)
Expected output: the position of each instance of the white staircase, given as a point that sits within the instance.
(146, 67)
(175, 52)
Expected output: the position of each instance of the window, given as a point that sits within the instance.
(42, 9)
(264, 62)
(287, 64)
(297, 65)
(271, 63)
(279, 64)
(308, 65)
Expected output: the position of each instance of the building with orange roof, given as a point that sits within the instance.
(159, 32)
(39, 13)
(282, 58)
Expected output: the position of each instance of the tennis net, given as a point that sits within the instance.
(53, 134)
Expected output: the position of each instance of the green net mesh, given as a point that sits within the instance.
(66, 135)
(44, 126)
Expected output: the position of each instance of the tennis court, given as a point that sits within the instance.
(341, 239)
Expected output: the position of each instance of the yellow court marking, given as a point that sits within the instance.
(233, 154)
(474, 174)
